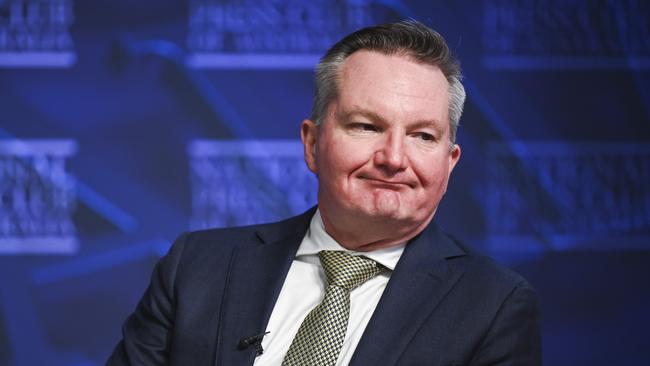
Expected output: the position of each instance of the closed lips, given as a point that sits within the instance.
(389, 184)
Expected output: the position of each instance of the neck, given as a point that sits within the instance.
(372, 235)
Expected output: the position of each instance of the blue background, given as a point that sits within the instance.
(561, 83)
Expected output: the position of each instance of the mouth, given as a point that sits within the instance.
(387, 184)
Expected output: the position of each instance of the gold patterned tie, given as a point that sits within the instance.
(321, 334)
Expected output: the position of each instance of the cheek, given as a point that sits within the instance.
(433, 176)
(331, 165)
(337, 170)
(341, 159)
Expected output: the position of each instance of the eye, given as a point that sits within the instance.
(424, 136)
(364, 127)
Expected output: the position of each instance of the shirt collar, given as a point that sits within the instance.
(318, 239)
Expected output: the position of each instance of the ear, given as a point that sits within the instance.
(454, 156)
(309, 136)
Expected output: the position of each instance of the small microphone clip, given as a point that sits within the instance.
(254, 340)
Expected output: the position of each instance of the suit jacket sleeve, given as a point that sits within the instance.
(147, 332)
(514, 336)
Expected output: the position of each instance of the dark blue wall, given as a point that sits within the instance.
(123, 124)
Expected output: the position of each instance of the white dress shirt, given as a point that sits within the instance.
(305, 286)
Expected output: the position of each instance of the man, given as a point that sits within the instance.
(381, 140)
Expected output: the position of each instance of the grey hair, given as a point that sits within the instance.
(410, 38)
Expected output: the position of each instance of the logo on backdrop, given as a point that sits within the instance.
(566, 195)
(566, 34)
(36, 33)
(37, 197)
(247, 182)
(269, 33)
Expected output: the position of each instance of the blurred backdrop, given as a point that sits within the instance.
(125, 123)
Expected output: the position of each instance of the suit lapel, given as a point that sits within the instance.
(419, 282)
(255, 279)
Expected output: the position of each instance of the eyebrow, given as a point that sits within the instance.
(357, 111)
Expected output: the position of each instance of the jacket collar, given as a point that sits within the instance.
(420, 280)
(423, 277)
(254, 282)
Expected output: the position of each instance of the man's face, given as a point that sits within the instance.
(382, 154)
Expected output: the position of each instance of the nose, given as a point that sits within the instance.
(390, 156)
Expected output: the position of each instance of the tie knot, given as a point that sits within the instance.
(346, 270)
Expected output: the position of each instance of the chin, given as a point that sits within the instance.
(389, 216)
(384, 213)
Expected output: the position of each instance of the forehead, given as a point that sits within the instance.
(393, 86)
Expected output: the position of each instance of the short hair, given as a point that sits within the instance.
(408, 37)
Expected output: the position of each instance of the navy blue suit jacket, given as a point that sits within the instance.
(443, 305)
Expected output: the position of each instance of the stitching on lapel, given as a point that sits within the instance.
(222, 304)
